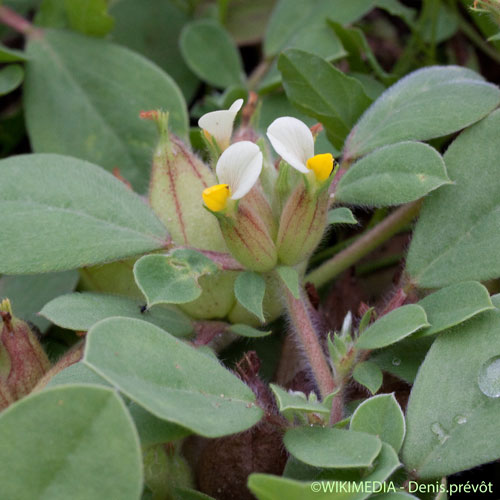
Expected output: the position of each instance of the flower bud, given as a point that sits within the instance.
(248, 238)
(303, 222)
(165, 469)
(216, 299)
(243, 223)
(177, 181)
(22, 359)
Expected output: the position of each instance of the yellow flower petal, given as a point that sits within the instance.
(321, 165)
(215, 197)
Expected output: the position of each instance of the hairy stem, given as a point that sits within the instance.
(364, 245)
(309, 341)
(258, 73)
(15, 21)
(478, 40)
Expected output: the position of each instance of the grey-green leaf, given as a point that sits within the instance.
(392, 175)
(248, 331)
(290, 402)
(453, 305)
(88, 216)
(172, 278)
(451, 424)
(294, 21)
(382, 416)
(430, 102)
(393, 327)
(211, 54)
(495, 300)
(332, 448)
(341, 215)
(89, 17)
(250, 289)
(29, 293)
(457, 237)
(8, 55)
(267, 487)
(404, 358)
(323, 92)
(74, 442)
(368, 374)
(290, 278)
(151, 429)
(80, 311)
(77, 373)
(170, 379)
(83, 97)
(150, 38)
(11, 77)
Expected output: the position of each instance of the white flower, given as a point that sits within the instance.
(219, 124)
(294, 142)
(238, 170)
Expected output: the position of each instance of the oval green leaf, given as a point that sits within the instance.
(74, 442)
(211, 54)
(151, 429)
(392, 175)
(29, 293)
(150, 38)
(11, 55)
(80, 311)
(368, 374)
(295, 23)
(172, 278)
(11, 77)
(177, 383)
(323, 92)
(93, 219)
(457, 238)
(290, 278)
(76, 107)
(451, 425)
(250, 289)
(332, 448)
(453, 305)
(248, 331)
(321, 484)
(341, 215)
(297, 402)
(430, 102)
(393, 327)
(382, 416)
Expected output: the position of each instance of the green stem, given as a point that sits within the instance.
(364, 245)
(13, 20)
(309, 341)
(477, 40)
(376, 265)
(258, 73)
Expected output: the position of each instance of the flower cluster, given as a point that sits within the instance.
(261, 229)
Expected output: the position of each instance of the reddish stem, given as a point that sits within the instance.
(309, 342)
(15, 21)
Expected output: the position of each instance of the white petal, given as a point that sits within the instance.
(236, 106)
(240, 166)
(219, 124)
(292, 140)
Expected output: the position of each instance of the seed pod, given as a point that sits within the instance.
(302, 225)
(178, 179)
(248, 239)
(22, 359)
